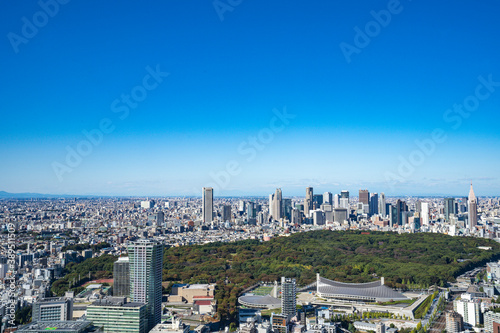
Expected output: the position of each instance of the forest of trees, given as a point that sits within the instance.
(406, 260)
(77, 274)
(80, 247)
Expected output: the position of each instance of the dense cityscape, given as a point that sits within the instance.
(231, 166)
(46, 236)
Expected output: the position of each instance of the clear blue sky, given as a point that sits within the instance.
(353, 121)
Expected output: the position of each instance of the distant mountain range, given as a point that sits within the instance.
(7, 195)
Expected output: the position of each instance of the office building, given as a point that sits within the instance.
(382, 205)
(67, 326)
(226, 213)
(308, 201)
(147, 204)
(472, 207)
(121, 277)
(287, 208)
(454, 322)
(296, 216)
(160, 219)
(373, 204)
(208, 205)
(118, 316)
(241, 206)
(449, 208)
(288, 297)
(424, 213)
(146, 261)
(336, 201)
(317, 200)
(251, 210)
(401, 207)
(328, 198)
(53, 309)
(393, 215)
(277, 212)
(318, 216)
(364, 197)
(340, 215)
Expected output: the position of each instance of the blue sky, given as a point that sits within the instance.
(352, 124)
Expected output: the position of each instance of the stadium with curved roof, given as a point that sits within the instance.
(366, 292)
(259, 302)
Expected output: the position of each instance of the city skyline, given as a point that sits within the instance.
(400, 97)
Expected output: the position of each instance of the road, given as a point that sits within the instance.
(440, 323)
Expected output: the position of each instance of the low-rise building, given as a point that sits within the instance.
(118, 316)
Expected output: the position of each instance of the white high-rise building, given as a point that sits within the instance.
(469, 309)
(147, 204)
(146, 261)
(381, 205)
(277, 211)
(336, 202)
(424, 215)
(308, 201)
(327, 198)
(208, 205)
(271, 202)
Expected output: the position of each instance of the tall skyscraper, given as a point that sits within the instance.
(226, 213)
(288, 297)
(308, 201)
(381, 205)
(208, 204)
(393, 215)
(146, 261)
(251, 211)
(121, 277)
(424, 214)
(472, 208)
(287, 208)
(271, 204)
(364, 197)
(449, 208)
(336, 201)
(317, 201)
(160, 219)
(277, 205)
(374, 203)
(328, 198)
(344, 199)
(400, 207)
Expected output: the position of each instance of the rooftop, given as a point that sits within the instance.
(373, 289)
